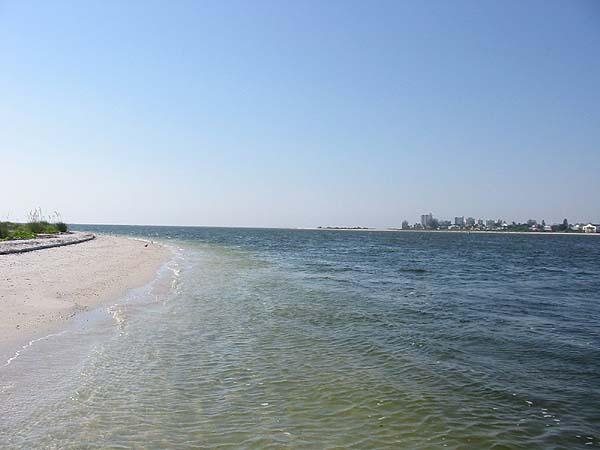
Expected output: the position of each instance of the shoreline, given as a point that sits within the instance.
(41, 291)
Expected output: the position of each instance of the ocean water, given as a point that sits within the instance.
(254, 338)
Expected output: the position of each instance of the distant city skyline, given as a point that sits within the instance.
(430, 221)
(473, 219)
(299, 114)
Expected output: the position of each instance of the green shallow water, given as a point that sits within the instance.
(308, 339)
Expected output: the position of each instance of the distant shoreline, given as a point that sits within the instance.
(392, 230)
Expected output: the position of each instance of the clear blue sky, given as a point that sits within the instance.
(300, 113)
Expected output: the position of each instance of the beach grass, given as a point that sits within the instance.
(36, 224)
(29, 230)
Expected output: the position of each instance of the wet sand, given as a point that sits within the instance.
(42, 289)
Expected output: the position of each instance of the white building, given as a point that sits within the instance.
(589, 228)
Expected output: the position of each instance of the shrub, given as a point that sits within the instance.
(49, 228)
(36, 224)
(61, 226)
(3, 230)
(42, 226)
(22, 234)
(35, 227)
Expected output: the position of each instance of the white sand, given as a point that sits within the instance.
(42, 289)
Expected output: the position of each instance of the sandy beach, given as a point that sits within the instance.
(40, 290)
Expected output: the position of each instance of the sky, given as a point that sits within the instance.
(299, 113)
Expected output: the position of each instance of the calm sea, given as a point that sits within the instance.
(256, 338)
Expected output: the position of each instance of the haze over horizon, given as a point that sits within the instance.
(299, 114)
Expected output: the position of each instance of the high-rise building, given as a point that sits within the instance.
(459, 221)
(426, 220)
(470, 222)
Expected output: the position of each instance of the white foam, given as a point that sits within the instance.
(29, 344)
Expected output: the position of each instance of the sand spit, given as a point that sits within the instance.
(39, 290)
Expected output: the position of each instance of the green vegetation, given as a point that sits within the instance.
(36, 224)
(520, 227)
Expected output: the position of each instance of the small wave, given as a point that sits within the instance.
(175, 279)
(118, 314)
(29, 344)
(412, 269)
